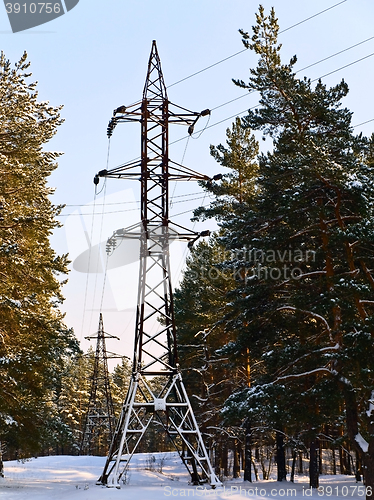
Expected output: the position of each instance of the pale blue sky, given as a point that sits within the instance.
(94, 59)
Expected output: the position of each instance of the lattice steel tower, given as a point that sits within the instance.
(100, 420)
(155, 349)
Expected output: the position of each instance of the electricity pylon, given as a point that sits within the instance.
(100, 420)
(155, 348)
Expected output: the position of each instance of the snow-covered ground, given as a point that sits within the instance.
(73, 478)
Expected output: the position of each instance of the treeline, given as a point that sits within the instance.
(35, 344)
(275, 312)
(45, 380)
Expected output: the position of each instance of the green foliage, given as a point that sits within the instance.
(239, 183)
(299, 243)
(73, 399)
(34, 342)
(308, 256)
(200, 304)
(120, 381)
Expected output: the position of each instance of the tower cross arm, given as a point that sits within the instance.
(132, 171)
(180, 172)
(185, 116)
(103, 335)
(132, 113)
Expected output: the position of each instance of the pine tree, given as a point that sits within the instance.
(199, 305)
(201, 300)
(73, 399)
(120, 381)
(239, 183)
(304, 305)
(34, 340)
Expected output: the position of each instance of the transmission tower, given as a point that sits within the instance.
(155, 348)
(100, 420)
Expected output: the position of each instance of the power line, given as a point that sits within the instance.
(191, 199)
(307, 67)
(251, 91)
(126, 210)
(232, 100)
(243, 50)
(363, 123)
(336, 54)
(298, 71)
(346, 66)
(208, 67)
(188, 211)
(128, 202)
(311, 17)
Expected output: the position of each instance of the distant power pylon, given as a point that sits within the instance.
(100, 419)
(155, 350)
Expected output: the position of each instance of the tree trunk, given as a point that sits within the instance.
(313, 465)
(218, 458)
(1, 460)
(368, 463)
(342, 461)
(352, 429)
(255, 470)
(194, 475)
(294, 455)
(280, 457)
(301, 468)
(320, 457)
(236, 451)
(349, 461)
(358, 467)
(247, 453)
(225, 464)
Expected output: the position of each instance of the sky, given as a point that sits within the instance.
(94, 59)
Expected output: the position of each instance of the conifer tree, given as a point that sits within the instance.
(304, 305)
(120, 381)
(200, 302)
(73, 399)
(199, 305)
(34, 342)
(237, 185)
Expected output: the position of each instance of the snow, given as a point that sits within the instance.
(8, 420)
(74, 478)
(356, 184)
(370, 411)
(16, 303)
(364, 445)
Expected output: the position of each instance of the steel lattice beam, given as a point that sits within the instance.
(100, 420)
(155, 348)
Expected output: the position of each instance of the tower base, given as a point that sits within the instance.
(169, 405)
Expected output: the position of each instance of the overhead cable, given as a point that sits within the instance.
(243, 50)
(251, 91)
